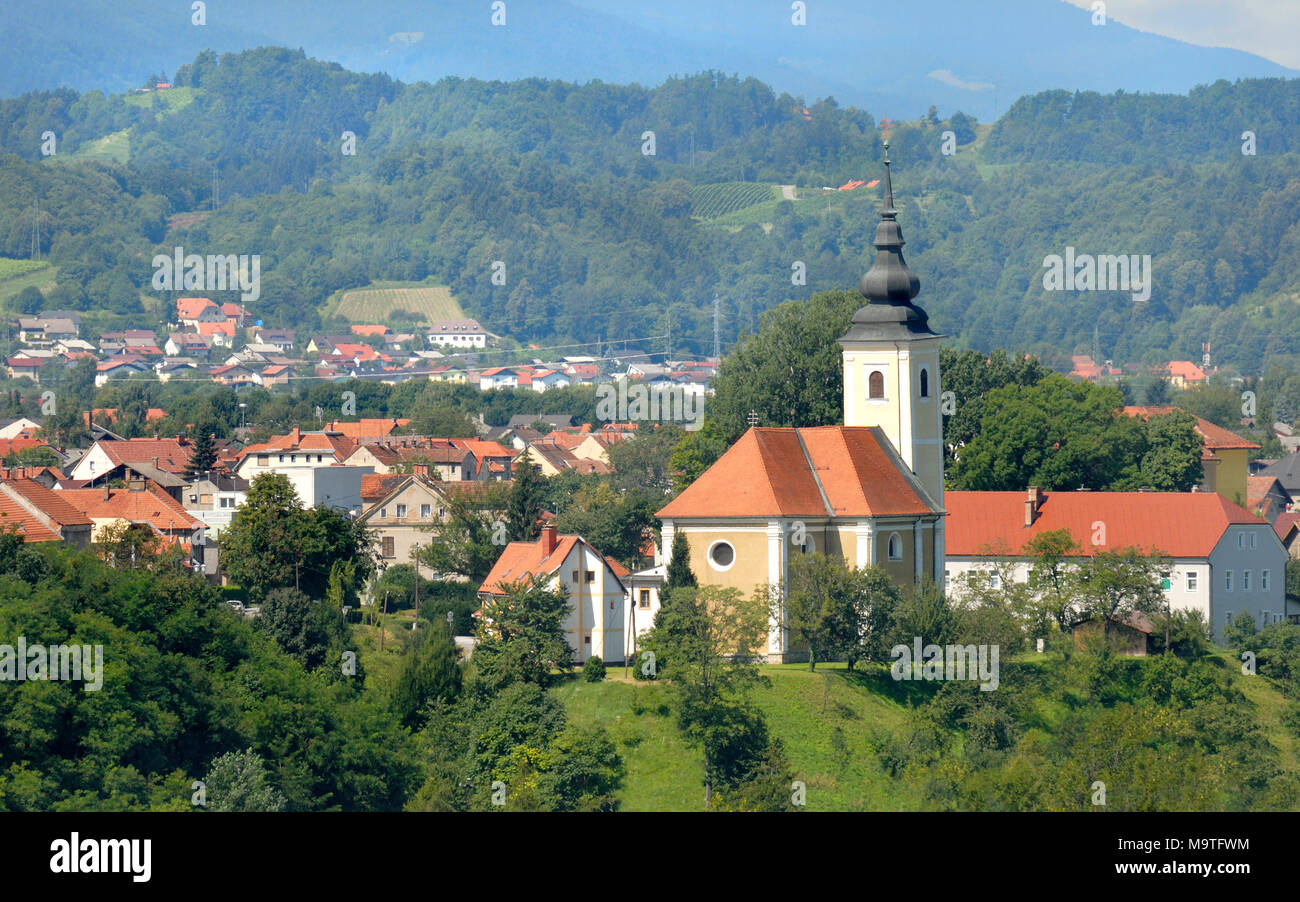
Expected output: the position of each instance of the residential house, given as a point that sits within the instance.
(401, 517)
(234, 375)
(220, 334)
(313, 463)
(178, 368)
(43, 331)
(553, 421)
(1287, 527)
(1287, 471)
(187, 344)
(1266, 497)
(273, 375)
(72, 347)
(545, 379)
(170, 455)
(1183, 373)
(191, 311)
(1222, 559)
(141, 502)
(237, 313)
(368, 429)
(644, 590)
(505, 377)
(1224, 455)
(444, 460)
(48, 507)
(593, 583)
(25, 366)
(18, 428)
(282, 339)
(458, 333)
(120, 367)
(492, 461)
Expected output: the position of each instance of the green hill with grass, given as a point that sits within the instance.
(863, 742)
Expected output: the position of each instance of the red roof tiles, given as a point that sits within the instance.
(841, 471)
(1178, 524)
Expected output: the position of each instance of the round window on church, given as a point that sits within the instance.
(722, 555)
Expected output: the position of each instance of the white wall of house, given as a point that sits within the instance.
(643, 600)
(1188, 578)
(93, 463)
(597, 608)
(337, 487)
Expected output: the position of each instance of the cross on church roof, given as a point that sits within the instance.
(885, 124)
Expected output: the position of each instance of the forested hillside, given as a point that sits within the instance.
(601, 239)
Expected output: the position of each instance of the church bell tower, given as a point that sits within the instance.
(891, 358)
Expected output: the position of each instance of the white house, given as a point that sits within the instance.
(1222, 559)
(643, 598)
(458, 333)
(547, 379)
(598, 598)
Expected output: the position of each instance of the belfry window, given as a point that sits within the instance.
(925, 383)
(876, 384)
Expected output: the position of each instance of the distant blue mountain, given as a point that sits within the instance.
(891, 59)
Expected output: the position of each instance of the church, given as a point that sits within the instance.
(869, 492)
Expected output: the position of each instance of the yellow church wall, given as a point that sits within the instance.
(1230, 481)
(751, 566)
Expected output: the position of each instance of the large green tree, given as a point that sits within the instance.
(706, 643)
(1059, 434)
(273, 542)
(791, 372)
(521, 634)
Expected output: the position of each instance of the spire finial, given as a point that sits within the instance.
(888, 212)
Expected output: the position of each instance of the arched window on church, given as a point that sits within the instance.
(876, 384)
(895, 547)
(925, 383)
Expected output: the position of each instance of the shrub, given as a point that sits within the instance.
(594, 670)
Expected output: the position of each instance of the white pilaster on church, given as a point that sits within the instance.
(939, 553)
(905, 432)
(668, 532)
(919, 550)
(865, 532)
(777, 561)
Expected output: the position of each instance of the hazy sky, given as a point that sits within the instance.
(1270, 28)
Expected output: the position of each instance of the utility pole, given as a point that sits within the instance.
(415, 555)
(36, 229)
(717, 327)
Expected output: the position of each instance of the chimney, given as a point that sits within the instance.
(155, 463)
(107, 492)
(420, 470)
(548, 538)
(1032, 502)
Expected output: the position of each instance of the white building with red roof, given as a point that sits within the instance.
(1222, 559)
(598, 600)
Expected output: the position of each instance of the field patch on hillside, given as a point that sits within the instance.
(721, 198)
(377, 304)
